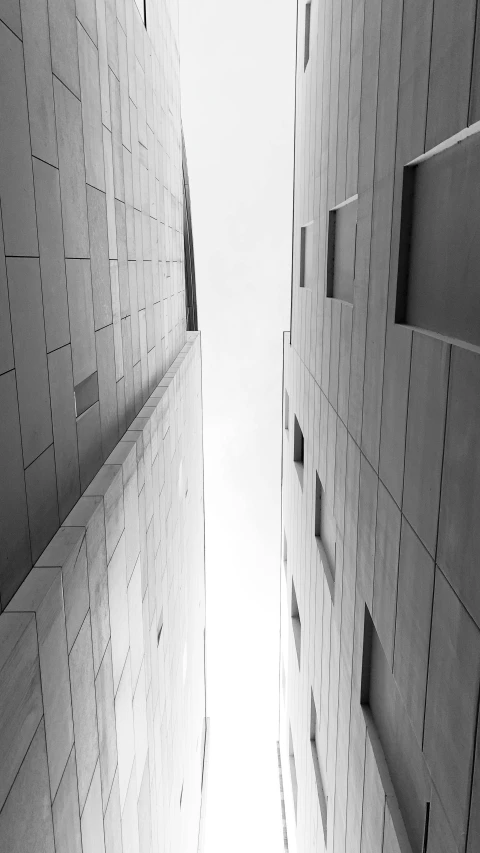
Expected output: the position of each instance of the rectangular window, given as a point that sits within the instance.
(306, 56)
(439, 253)
(298, 449)
(293, 770)
(286, 410)
(86, 394)
(296, 623)
(392, 738)
(342, 238)
(142, 8)
(306, 255)
(326, 534)
(322, 799)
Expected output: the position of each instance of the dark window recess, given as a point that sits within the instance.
(298, 449)
(342, 239)
(142, 8)
(439, 253)
(160, 626)
(86, 394)
(293, 771)
(322, 798)
(296, 624)
(325, 534)
(393, 741)
(190, 280)
(286, 409)
(305, 255)
(181, 796)
(308, 12)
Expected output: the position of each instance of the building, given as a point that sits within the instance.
(380, 590)
(102, 592)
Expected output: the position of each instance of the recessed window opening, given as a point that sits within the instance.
(325, 534)
(308, 11)
(286, 410)
(296, 623)
(305, 254)
(322, 798)
(142, 8)
(342, 241)
(393, 740)
(160, 626)
(293, 770)
(181, 796)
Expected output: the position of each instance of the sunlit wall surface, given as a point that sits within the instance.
(380, 592)
(102, 690)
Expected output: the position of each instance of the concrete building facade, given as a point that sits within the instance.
(102, 572)
(380, 590)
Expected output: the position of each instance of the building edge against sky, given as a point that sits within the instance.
(380, 594)
(103, 726)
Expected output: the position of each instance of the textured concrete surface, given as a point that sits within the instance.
(390, 421)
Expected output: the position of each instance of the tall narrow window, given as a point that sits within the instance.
(306, 246)
(342, 239)
(322, 799)
(308, 11)
(296, 624)
(325, 534)
(293, 770)
(286, 410)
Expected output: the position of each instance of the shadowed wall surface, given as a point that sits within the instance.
(391, 422)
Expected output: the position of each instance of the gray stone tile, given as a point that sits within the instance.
(99, 262)
(80, 301)
(103, 61)
(109, 484)
(117, 328)
(87, 15)
(42, 504)
(117, 595)
(125, 734)
(65, 810)
(30, 355)
(110, 193)
(128, 370)
(16, 182)
(52, 260)
(130, 817)
(140, 723)
(68, 115)
(64, 429)
(107, 388)
(135, 619)
(84, 709)
(89, 444)
(412, 631)
(425, 436)
(144, 813)
(20, 696)
(75, 590)
(107, 733)
(451, 707)
(459, 535)
(14, 532)
(97, 577)
(474, 821)
(122, 424)
(387, 544)
(63, 43)
(26, 819)
(91, 110)
(42, 594)
(112, 820)
(10, 15)
(38, 72)
(93, 840)
(118, 179)
(125, 454)
(124, 292)
(112, 42)
(6, 344)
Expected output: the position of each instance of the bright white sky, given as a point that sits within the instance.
(237, 81)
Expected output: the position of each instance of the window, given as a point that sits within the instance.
(325, 533)
(322, 799)
(439, 252)
(399, 757)
(342, 238)
(306, 55)
(86, 394)
(293, 770)
(142, 8)
(296, 624)
(306, 255)
(286, 410)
